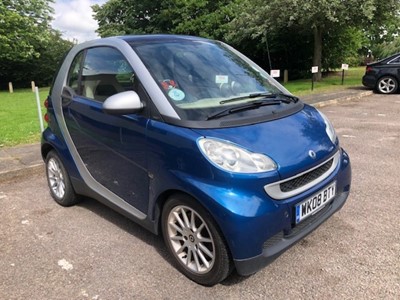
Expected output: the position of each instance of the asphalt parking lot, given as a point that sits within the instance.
(90, 252)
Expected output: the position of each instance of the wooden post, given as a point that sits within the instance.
(312, 82)
(342, 76)
(33, 86)
(10, 87)
(285, 76)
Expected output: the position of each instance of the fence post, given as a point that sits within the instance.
(33, 86)
(39, 109)
(10, 87)
(285, 76)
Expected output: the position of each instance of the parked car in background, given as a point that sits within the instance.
(384, 75)
(192, 140)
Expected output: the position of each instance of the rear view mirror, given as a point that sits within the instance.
(123, 103)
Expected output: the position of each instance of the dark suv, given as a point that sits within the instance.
(384, 75)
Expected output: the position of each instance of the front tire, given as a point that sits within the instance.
(194, 241)
(58, 180)
(387, 85)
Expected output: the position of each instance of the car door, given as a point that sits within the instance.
(112, 147)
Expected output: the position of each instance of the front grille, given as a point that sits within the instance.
(302, 180)
(296, 185)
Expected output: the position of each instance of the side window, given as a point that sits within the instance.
(105, 72)
(74, 71)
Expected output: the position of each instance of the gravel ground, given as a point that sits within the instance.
(90, 252)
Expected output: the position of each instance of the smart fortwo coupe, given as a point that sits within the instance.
(192, 140)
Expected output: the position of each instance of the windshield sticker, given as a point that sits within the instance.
(168, 84)
(219, 79)
(176, 94)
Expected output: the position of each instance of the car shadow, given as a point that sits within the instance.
(134, 229)
(127, 225)
(234, 279)
(358, 88)
(395, 93)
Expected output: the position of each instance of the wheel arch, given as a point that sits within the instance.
(45, 149)
(159, 206)
(163, 198)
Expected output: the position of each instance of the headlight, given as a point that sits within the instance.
(329, 128)
(233, 158)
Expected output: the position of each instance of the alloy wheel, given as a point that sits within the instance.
(191, 240)
(387, 85)
(56, 178)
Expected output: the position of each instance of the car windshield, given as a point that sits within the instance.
(200, 78)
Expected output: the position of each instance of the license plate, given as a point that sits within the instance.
(315, 203)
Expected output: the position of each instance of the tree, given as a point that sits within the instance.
(22, 24)
(301, 33)
(29, 48)
(384, 27)
(120, 17)
(386, 49)
(317, 17)
(196, 17)
(42, 68)
(206, 18)
(344, 44)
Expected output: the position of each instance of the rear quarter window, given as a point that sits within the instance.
(395, 61)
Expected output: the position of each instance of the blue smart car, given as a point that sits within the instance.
(192, 140)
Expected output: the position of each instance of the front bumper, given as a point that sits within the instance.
(258, 228)
(281, 242)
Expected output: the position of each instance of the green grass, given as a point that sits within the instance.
(19, 121)
(329, 83)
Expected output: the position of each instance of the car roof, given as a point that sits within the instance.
(137, 39)
(159, 38)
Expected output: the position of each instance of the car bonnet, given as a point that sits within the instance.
(291, 141)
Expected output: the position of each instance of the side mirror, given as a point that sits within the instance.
(123, 103)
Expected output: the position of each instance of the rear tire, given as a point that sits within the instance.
(387, 85)
(58, 180)
(194, 241)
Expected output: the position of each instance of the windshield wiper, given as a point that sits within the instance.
(263, 95)
(253, 95)
(246, 106)
(291, 97)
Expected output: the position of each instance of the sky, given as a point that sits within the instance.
(74, 19)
